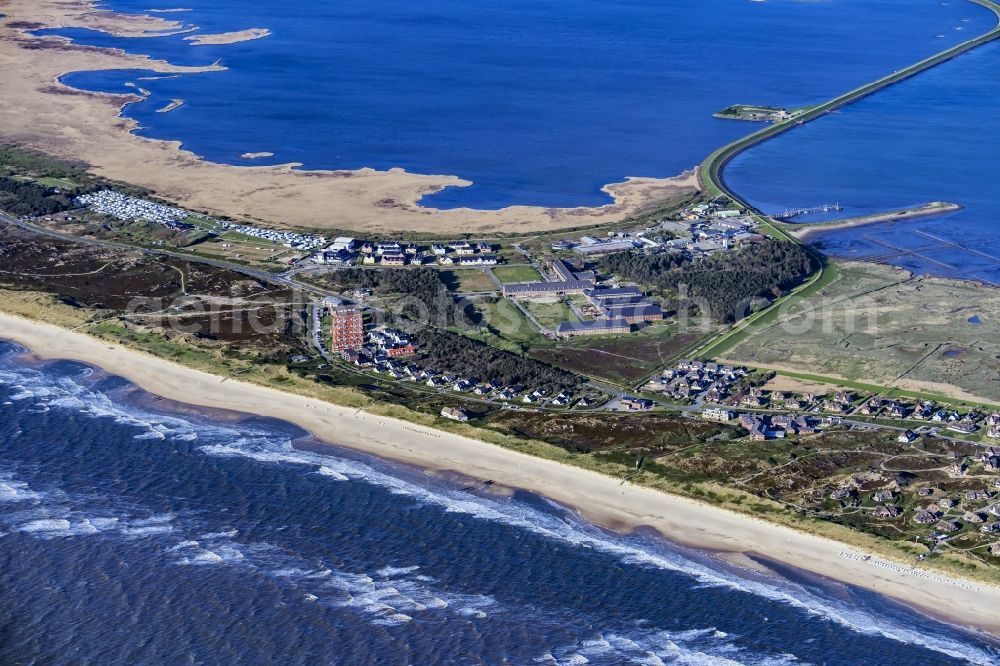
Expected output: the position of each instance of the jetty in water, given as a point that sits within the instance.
(797, 212)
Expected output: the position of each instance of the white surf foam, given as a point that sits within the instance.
(655, 647)
(332, 473)
(580, 535)
(49, 525)
(270, 448)
(17, 491)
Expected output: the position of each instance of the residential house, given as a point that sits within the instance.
(636, 404)
(718, 414)
(948, 526)
(840, 494)
(889, 511)
(455, 414)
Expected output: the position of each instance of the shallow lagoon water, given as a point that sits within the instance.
(535, 101)
(935, 137)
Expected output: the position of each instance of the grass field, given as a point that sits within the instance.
(467, 280)
(517, 274)
(503, 320)
(877, 326)
(621, 359)
(550, 314)
(238, 247)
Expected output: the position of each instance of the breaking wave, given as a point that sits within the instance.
(396, 594)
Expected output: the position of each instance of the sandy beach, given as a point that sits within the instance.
(43, 114)
(603, 500)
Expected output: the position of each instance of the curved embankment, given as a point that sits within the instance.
(710, 174)
(804, 230)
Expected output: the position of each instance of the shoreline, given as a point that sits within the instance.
(76, 125)
(599, 499)
(805, 230)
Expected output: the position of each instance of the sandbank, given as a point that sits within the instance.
(601, 499)
(258, 155)
(43, 114)
(174, 103)
(228, 37)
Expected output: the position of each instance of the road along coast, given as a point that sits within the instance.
(601, 499)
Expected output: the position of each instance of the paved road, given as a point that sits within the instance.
(263, 276)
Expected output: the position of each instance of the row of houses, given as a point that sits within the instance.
(712, 382)
(930, 411)
(395, 254)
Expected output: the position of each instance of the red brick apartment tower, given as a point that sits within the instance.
(347, 329)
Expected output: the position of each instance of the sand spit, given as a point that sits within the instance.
(808, 230)
(228, 37)
(43, 114)
(174, 103)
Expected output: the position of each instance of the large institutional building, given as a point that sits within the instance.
(347, 328)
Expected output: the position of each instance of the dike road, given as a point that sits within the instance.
(710, 174)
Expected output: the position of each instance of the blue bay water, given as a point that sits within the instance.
(935, 137)
(132, 531)
(535, 101)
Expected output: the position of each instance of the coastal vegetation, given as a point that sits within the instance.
(423, 288)
(754, 113)
(27, 198)
(726, 286)
(785, 482)
(459, 355)
(885, 326)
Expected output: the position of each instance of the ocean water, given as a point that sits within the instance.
(133, 531)
(935, 137)
(536, 101)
